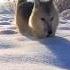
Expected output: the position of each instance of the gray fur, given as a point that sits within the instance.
(45, 12)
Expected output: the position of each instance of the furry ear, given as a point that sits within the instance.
(36, 3)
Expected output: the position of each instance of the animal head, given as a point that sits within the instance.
(42, 17)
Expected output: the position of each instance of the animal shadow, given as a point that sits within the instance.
(60, 47)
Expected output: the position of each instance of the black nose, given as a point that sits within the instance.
(49, 33)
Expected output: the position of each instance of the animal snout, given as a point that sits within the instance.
(49, 33)
(48, 29)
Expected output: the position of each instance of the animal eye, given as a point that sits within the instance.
(52, 18)
(43, 19)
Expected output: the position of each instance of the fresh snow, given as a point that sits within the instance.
(19, 52)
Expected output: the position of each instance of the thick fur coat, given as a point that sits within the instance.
(38, 19)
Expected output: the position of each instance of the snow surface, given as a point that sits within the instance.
(18, 52)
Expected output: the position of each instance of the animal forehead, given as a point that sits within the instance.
(45, 5)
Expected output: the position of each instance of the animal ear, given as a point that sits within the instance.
(36, 3)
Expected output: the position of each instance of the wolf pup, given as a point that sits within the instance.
(39, 19)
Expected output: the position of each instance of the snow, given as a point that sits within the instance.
(18, 52)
